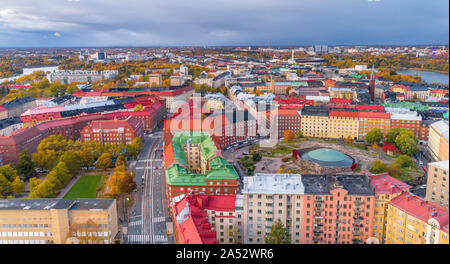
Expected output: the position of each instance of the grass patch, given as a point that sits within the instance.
(85, 187)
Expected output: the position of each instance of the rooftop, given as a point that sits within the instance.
(55, 203)
(323, 184)
(443, 164)
(273, 184)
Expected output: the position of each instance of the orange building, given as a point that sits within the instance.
(113, 131)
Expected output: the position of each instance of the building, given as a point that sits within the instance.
(58, 221)
(438, 140)
(314, 121)
(373, 120)
(437, 183)
(412, 220)
(337, 209)
(114, 131)
(288, 119)
(386, 188)
(410, 120)
(345, 93)
(155, 79)
(193, 162)
(17, 106)
(343, 124)
(207, 219)
(184, 70)
(176, 80)
(67, 76)
(268, 198)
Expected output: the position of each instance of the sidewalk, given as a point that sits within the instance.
(68, 186)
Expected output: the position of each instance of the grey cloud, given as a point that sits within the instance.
(220, 22)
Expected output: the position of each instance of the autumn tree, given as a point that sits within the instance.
(288, 135)
(86, 158)
(378, 167)
(18, 185)
(278, 234)
(104, 161)
(138, 108)
(72, 160)
(33, 183)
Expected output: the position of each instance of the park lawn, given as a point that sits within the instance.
(85, 187)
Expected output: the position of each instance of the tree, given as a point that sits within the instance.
(72, 160)
(278, 234)
(5, 186)
(9, 172)
(138, 108)
(299, 134)
(86, 158)
(25, 166)
(120, 161)
(373, 136)
(393, 170)
(393, 133)
(34, 182)
(404, 161)
(378, 167)
(104, 161)
(18, 185)
(256, 157)
(288, 135)
(406, 143)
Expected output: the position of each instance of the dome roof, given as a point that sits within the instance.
(328, 155)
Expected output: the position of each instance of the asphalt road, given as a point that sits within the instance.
(149, 215)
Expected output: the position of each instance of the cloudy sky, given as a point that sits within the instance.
(51, 23)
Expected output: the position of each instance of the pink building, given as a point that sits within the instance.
(337, 209)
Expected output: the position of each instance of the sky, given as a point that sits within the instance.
(77, 23)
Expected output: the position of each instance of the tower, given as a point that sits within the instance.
(372, 85)
(292, 58)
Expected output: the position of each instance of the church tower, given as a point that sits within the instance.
(372, 85)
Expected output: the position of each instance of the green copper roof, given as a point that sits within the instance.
(177, 174)
(328, 155)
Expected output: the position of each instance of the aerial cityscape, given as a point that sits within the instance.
(204, 130)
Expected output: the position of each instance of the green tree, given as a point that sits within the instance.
(378, 167)
(5, 186)
(8, 171)
(393, 170)
(407, 143)
(256, 157)
(299, 134)
(25, 166)
(104, 161)
(373, 136)
(278, 234)
(393, 133)
(404, 161)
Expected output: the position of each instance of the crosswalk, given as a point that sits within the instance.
(159, 238)
(158, 219)
(134, 223)
(146, 238)
(138, 238)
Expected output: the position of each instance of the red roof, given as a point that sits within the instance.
(421, 209)
(379, 115)
(344, 113)
(385, 184)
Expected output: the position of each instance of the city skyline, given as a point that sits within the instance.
(84, 23)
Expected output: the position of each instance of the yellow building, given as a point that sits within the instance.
(373, 120)
(412, 220)
(58, 221)
(314, 122)
(386, 188)
(437, 183)
(438, 140)
(345, 93)
(343, 124)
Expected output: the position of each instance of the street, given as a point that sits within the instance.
(149, 215)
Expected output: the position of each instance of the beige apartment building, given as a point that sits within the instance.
(437, 183)
(314, 122)
(438, 140)
(58, 221)
(268, 198)
(155, 79)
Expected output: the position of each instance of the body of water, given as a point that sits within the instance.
(27, 71)
(429, 77)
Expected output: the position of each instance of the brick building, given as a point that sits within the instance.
(113, 131)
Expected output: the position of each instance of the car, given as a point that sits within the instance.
(245, 153)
